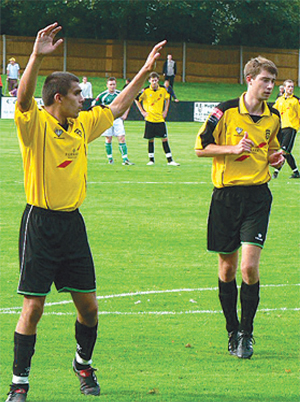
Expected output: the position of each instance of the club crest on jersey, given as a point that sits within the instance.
(58, 132)
(268, 133)
(239, 130)
(79, 132)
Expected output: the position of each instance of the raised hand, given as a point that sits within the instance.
(153, 56)
(44, 43)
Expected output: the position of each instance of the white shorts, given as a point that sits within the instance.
(116, 130)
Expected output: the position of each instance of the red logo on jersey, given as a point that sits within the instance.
(262, 144)
(64, 164)
(242, 158)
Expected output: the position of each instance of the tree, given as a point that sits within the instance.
(273, 23)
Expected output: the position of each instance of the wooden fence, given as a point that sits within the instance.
(195, 63)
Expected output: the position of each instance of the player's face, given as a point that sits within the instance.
(153, 83)
(111, 86)
(71, 104)
(289, 88)
(262, 85)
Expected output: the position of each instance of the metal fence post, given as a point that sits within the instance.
(183, 61)
(241, 65)
(124, 59)
(65, 55)
(4, 54)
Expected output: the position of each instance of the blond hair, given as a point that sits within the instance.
(257, 64)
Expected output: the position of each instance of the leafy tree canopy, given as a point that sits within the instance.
(273, 23)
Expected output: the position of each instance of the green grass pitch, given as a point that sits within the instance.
(161, 334)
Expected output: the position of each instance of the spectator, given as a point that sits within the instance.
(86, 88)
(170, 70)
(170, 90)
(13, 73)
(14, 91)
(281, 91)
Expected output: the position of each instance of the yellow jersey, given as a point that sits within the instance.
(153, 103)
(289, 109)
(55, 160)
(227, 125)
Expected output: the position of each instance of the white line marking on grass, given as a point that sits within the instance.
(147, 182)
(160, 312)
(11, 310)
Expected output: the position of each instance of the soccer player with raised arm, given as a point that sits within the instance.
(53, 245)
(241, 137)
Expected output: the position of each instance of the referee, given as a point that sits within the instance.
(241, 136)
(53, 244)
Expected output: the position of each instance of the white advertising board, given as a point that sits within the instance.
(202, 110)
(8, 106)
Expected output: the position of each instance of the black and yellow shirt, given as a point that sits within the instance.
(153, 103)
(227, 125)
(289, 109)
(55, 160)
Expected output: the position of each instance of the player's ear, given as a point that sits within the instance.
(249, 79)
(57, 97)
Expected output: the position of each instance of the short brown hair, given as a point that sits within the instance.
(154, 75)
(111, 79)
(257, 64)
(58, 82)
(288, 82)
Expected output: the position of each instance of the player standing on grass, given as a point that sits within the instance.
(289, 107)
(53, 240)
(241, 136)
(153, 103)
(117, 130)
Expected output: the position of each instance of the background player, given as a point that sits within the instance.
(153, 103)
(117, 130)
(241, 136)
(289, 107)
(53, 243)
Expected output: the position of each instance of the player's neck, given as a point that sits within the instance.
(254, 106)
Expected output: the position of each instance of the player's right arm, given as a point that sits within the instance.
(44, 45)
(207, 142)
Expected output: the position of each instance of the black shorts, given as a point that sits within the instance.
(53, 247)
(238, 215)
(155, 130)
(286, 138)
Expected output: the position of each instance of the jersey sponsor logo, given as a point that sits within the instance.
(58, 132)
(64, 164)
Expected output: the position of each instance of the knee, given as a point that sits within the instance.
(32, 311)
(89, 316)
(250, 273)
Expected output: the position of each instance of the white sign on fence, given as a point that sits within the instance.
(8, 106)
(202, 110)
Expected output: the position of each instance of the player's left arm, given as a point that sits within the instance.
(166, 108)
(123, 101)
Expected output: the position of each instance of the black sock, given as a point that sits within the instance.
(228, 298)
(151, 150)
(86, 338)
(167, 150)
(249, 302)
(291, 162)
(23, 352)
